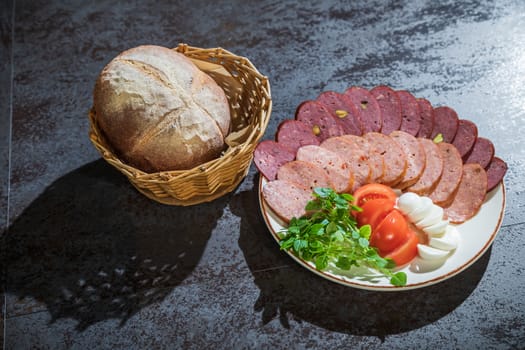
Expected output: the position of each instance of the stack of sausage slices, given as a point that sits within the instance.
(345, 140)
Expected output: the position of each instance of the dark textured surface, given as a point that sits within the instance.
(91, 263)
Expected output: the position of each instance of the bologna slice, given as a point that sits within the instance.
(470, 194)
(287, 199)
(465, 137)
(319, 119)
(446, 123)
(427, 118)
(368, 108)
(331, 162)
(305, 174)
(354, 156)
(482, 152)
(433, 169)
(269, 155)
(415, 155)
(495, 172)
(411, 117)
(342, 108)
(393, 155)
(390, 107)
(294, 134)
(446, 188)
(375, 159)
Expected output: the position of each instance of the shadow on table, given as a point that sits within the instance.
(288, 291)
(90, 247)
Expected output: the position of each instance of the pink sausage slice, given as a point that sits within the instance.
(433, 169)
(411, 116)
(343, 109)
(470, 194)
(482, 152)
(390, 107)
(465, 137)
(286, 199)
(354, 156)
(415, 155)
(394, 157)
(331, 162)
(319, 119)
(268, 157)
(446, 188)
(495, 172)
(427, 118)
(368, 108)
(446, 123)
(305, 174)
(377, 165)
(294, 134)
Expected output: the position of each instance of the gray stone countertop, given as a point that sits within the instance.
(90, 263)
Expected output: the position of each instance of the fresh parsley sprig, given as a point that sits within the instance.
(329, 234)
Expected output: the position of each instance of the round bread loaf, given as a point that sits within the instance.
(159, 111)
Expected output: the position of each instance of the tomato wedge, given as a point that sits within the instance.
(374, 211)
(372, 191)
(390, 233)
(406, 252)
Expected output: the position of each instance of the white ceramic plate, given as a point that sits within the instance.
(476, 236)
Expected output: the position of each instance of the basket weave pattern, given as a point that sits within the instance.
(249, 97)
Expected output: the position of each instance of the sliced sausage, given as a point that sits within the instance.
(319, 119)
(390, 107)
(433, 169)
(368, 108)
(427, 118)
(269, 155)
(411, 117)
(446, 123)
(305, 174)
(415, 155)
(495, 172)
(470, 194)
(287, 199)
(354, 156)
(465, 137)
(294, 134)
(393, 155)
(343, 109)
(482, 152)
(331, 162)
(446, 188)
(377, 165)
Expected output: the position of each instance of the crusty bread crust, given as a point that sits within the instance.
(159, 111)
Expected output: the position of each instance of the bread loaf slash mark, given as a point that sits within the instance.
(179, 91)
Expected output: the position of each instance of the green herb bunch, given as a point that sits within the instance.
(329, 234)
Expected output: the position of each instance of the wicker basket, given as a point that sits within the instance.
(249, 96)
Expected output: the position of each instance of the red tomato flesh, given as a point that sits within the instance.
(373, 191)
(406, 252)
(374, 211)
(390, 233)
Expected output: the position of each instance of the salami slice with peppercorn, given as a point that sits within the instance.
(390, 107)
(446, 123)
(482, 152)
(411, 116)
(495, 172)
(344, 110)
(465, 137)
(427, 118)
(322, 123)
(368, 108)
(294, 134)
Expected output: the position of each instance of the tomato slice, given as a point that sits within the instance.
(374, 211)
(406, 252)
(373, 191)
(390, 233)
